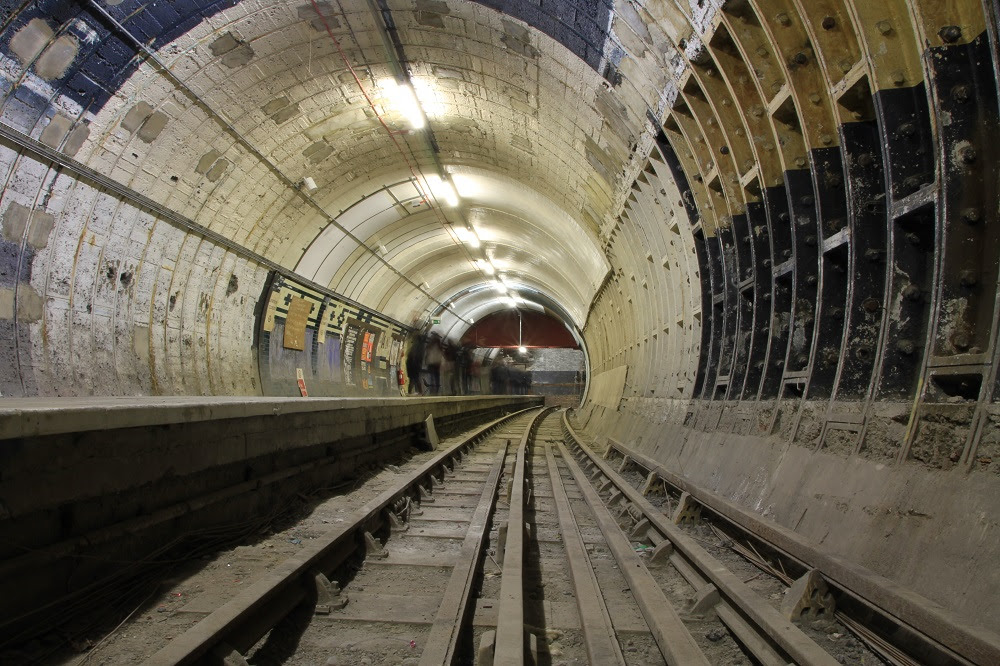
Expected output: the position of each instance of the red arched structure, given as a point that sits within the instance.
(537, 329)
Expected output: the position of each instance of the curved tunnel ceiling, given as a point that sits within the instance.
(259, 98)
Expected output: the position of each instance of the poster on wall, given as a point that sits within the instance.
(296, 321)
(348, 349)
(367, 354)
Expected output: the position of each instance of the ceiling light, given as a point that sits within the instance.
(443, 191)
(522, 349)
(404, 101)
(467, 236)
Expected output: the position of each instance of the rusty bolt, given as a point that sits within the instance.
(810, 241)
(801, 360)
(834, 180)
(724, 150)
(898, 77)
(826, 139)
(971, 215)
(766, 263)
(783, 19)
(863, 352)
(967, 154)
(961, 340)
(800, 162)
(836, 313)
(760, 364)
(961, 93)
(780, 363)
(811, 280)
(815, 98)
(865, 160)
(950, 34)
(871, 305)
(907, 129)
(787, 254)
(968, 278)
(906, 347)
(912, 292)
(846, 65)
(829, 23)
(800, 58)
(884, 27)
(807, 200)
(911, 183)
(873, 255)
(783, 217)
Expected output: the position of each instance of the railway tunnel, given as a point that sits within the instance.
(770, 225)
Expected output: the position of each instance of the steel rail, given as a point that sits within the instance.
(595, 620)
(246, 618)
(936, 629)
(675, 642)
(510, 638)
(742, 600)
(441, 646)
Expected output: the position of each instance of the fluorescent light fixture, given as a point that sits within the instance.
(467, 236)
(404, 101)
(522, 349)
(443, 191)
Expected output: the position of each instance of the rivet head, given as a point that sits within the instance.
(871, 304)
(906, 347)
(800, 162)
(898, 77)
(968, 278)
(761, 51)
(884, 27)
(826, 139)
(971, 215)
(783, 19)
(950, 34)
(829, 23)
(912, 292)
(845, 66)
(815, 98)
(961, 93)
(967, 154)
(800, 58)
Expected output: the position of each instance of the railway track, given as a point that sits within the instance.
(521, 545)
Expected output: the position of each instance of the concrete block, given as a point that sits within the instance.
(31, 40)
(153, 125)
(15, 221)
(57, 57)
(54, 133)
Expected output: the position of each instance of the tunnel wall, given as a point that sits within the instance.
(835, 170)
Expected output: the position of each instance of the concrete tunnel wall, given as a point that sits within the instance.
(774, 222)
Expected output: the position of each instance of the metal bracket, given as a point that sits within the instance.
(329, 596)
(229, 656)
(373, 548)
(688, 511)
(704, 600)
(808, 598)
